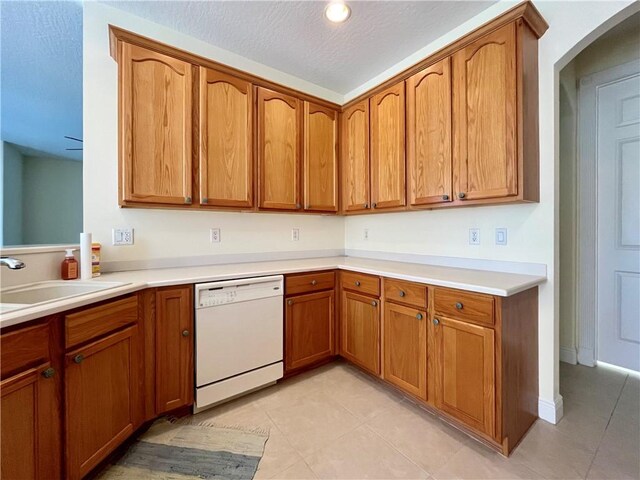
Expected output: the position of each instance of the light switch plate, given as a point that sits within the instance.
(474, 236)
(215, 235)
(122, 236)
(501, 236)
(295, 234)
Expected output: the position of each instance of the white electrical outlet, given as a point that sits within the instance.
(474, 236)
(501, 236)
(366, 234)
(295, 234)
(122, 236)
(215, 235)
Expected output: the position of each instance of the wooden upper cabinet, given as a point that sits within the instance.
(388, 187)
(429, 134)
(485, 117)
(320, 158)
(354, 140)
(226, 140)
(279, 133)
(155, 122)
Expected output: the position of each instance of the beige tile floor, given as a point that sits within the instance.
(337, 423)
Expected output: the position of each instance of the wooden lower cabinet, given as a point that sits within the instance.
(465, 373)
(309, 329)
(405, 348)
(174, 348)
(360, 331)
(102, 397)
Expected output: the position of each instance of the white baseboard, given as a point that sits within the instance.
(551, 412)
(586, 356)
(568, 355)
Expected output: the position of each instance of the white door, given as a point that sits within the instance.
(618, 192)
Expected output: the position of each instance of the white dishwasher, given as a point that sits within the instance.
(239, 336)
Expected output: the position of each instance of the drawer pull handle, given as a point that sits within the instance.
(48, 373)
(314, 282)
(78, 358)
(187, 200)
(374, 303)
(366, 205)
(419, 316)
(459, 306)
(185, 333)
(436, 321)
(461, 195)
(357, 283)
(402, 294)
(205, 200)
(445, 197)
(289, 302)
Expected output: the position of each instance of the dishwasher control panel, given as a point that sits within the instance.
(215, 294)
(211, 298)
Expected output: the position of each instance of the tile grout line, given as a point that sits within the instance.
(593, 459)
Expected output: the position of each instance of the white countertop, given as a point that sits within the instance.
(493, 283)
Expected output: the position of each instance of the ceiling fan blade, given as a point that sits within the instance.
(74, 149)
(73, 138)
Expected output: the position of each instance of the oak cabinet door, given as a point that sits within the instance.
(360, 331)
(465, 373)
(30, 425)
(102, 398)
(309, 329)
(279, 131)
(320, 158)
(429, 134)
(388, 187)
(405, 348)
(355, 157)
(155, 140)
(226, 140)
(174, 348)
(485, 117)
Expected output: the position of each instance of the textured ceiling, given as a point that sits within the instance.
(294, 37)
(41, 60)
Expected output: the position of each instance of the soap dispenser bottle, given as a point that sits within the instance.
(69, 267)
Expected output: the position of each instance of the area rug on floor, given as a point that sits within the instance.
(181, 450)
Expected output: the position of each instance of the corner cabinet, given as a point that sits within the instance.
(155, 123)
(355, 157)
(226, 140)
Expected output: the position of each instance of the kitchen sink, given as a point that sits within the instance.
(23, 296)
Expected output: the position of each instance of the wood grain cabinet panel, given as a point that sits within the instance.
(309, 329)
(354, 141)
(429, 135)
(102, 398)
(405, 348)
(174, 348)
(320, 158)
(486, 117)
(360, 331)
(388, 187)
(279, 134)
(465, 373)
(155, 122)
(226, 140)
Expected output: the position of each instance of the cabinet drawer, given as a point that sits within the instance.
(405, 292)
(359, 282)
(24, 348)
(309, 282)
(91, 323)
(473, 307)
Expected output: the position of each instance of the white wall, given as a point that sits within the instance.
(164, 233)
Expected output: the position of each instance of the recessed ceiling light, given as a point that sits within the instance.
(337, 12)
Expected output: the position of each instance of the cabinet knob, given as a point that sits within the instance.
(374, 303)
(48, 373)
(436, 321)
(187, 199)
(357, 283)
(445, 197)
(185, 333)
(374, 205)
(419, 316)
(289, 302)
(459, 305)
(298, 205)
(402, 294)
(461, 195)
(366, 205)
(205, 200)
(314, 282)
(78, 358)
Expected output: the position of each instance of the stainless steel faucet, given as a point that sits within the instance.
(12, 263)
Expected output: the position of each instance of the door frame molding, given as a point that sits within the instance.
(587, 206)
